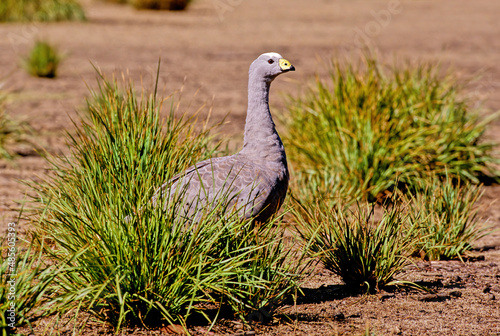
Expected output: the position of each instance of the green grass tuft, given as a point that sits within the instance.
(367, 248)
(119, 155)
(40, 10)
(132, 263)
(400, 136)
(367, 128)
(43, 60)
(366, 253)
(447, 217)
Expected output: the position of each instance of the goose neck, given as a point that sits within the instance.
(260, 132)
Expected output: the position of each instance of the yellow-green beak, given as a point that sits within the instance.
(285, 65)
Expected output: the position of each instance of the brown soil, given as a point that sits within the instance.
(209, 48)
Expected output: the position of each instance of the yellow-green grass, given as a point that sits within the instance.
(368, 253)
(368, 249)
(42, 61)
(129, 262)
(40, 10)
(368, 128)
(402, 138)
(446, 214)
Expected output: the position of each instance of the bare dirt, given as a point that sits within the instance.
(207, 50)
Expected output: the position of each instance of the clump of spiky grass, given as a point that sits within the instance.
(366, 248)
(447, 217)
(42, 61)
(40, 10)
(368, 128)
(131, 262)
(367, 253)
(120, 154)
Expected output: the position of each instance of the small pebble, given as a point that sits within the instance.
(339, 317)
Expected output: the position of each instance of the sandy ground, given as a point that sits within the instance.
(207, 49)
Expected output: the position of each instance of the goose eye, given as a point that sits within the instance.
(271, 61)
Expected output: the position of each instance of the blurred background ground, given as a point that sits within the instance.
(206, 51)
